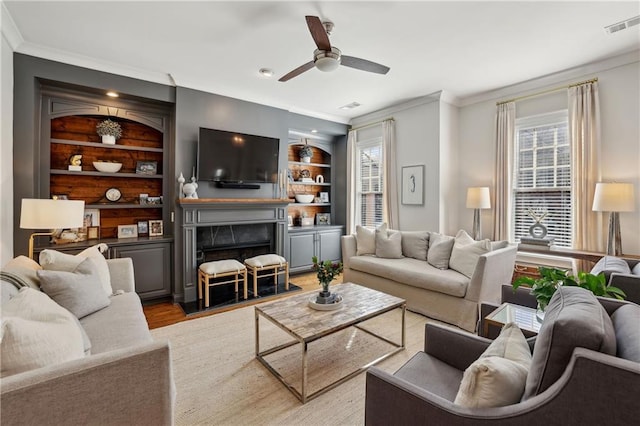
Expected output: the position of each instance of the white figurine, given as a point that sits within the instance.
(181, 181)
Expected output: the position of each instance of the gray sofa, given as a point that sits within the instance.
(126, 379)
(445, 295)
(589, 385)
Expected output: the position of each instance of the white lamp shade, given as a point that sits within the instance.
(51, 214)
(478, 198)
(613, 197)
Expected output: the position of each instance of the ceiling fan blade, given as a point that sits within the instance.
(318, 32)
(364, 65)
(297, 71)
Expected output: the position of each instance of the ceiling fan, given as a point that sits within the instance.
(328, 58)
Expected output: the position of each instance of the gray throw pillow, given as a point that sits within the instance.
(573, 318)
(609, 264)
(625, 321)
(80, 291)
(440, 247)
(388, 244)
(415, 244)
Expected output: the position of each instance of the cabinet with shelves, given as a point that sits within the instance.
(306, 242)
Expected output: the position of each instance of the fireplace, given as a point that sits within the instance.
(239, 242)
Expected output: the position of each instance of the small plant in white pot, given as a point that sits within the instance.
(109, 130)
(305, 153)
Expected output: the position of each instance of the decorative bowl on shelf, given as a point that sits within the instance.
(304, 198)
(107, 166)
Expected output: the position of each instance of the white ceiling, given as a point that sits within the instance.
(464, 48)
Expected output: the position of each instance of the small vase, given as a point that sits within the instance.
(306, 159)
(108, 139)
(325, 296)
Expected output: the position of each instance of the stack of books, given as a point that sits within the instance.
(536, 243)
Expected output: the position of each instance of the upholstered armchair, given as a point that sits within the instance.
(621, 273)
(592, 387)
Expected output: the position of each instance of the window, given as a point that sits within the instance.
(369, 183)
(542, 177)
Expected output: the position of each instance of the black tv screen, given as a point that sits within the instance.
(237, 157)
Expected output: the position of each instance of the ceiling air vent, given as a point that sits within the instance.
(622, 25)
(352, 105)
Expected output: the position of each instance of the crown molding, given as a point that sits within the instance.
(9, 29)
(393, 109)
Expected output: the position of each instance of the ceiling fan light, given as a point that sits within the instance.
(327, 64)
(327, 60)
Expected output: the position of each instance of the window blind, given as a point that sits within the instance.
(369, 185)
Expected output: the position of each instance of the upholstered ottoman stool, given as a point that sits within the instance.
(220, 269)
(267, 265)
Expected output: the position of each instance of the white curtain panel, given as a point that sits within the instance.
(505, 133)
(584, 131)
(390, 181)
(352, 138)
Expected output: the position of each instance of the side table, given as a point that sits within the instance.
(523, 316)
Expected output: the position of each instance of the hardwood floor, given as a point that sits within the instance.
(167, 313)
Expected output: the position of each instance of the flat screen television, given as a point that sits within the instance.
(237, 159)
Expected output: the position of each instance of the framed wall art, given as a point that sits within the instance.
(413, 185)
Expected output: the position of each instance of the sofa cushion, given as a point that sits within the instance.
(573, 318)
(388, 244)
(466, 252)
(625, 322)
(415, 244)
(440, 247)
(498, 376)
(365, 240)
(79, 291)
(53, 260)
(120, 325)
(636, 269)
(25, 268)
(429, 373)
(413, 272)
(37, 332)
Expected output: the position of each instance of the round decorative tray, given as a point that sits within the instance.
(325, 306)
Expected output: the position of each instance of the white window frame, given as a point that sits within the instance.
(363, 145)
(529, 122)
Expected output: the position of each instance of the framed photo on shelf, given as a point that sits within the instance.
(155, 228)
(93, 232)
(143, 228)
(59, 197)
(143, 199)
(127, 231)
(290, 220)
(413, 185)
(91, 217)
(324, 197)
(323, 219)
(146, 167)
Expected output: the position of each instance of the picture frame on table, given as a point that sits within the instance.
(146, 167)
(127, 231)
(155, 228)
(93, 232)
(143, 228)
(323, 219)
(413, 185)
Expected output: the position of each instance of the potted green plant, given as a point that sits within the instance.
(550, 278)
(327, 271)
(305, 153)
(109, 130)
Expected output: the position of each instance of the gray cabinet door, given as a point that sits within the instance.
(152, 268)
(330, 245)
(301, 249)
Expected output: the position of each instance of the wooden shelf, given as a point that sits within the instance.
(122, 206)
(295, 182)
(300, 163)
(294, 203)
(105, 146)
(104, 174)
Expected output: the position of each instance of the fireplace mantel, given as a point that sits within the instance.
(199, 212)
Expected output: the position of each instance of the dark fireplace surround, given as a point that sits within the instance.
(214, 229)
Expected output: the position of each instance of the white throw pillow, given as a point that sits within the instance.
(37, 332)
(439, 250)
(366, 239)
(53, 260)
(388, 244)
(25, 268)
(498, 376)
(466, 252)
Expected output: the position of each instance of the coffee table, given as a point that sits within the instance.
(523, 316)
(305, 325)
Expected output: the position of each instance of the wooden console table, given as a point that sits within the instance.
(574, 254)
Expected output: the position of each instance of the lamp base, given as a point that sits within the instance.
(614, 242)
(477, 228)
(36, 234)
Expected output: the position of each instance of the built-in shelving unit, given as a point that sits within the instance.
(320, 165)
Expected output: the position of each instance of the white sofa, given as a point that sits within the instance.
(443, 294)
(126, 379)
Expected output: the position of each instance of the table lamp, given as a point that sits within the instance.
(51, 215)
(613, 198)
(478, 198)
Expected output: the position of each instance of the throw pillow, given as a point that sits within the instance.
(415, 244)
(388, 244)
(466, 252)
(498, 376)
(79, 291)
(625, 322)
(636, 269)
(366, 239)
(53, 260)
(440, 247)
(25, 268)
(610, 264)
(573, 318)
(497, 245)
(37, 332)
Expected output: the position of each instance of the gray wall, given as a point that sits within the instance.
(6, 153)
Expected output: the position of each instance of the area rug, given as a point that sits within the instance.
(219, 381)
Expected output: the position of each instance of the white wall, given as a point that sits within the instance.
(6, 152)
(619, 89)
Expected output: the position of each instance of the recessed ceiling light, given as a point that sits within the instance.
(266, 72)
(314, 130)
(352, 105)
(112, 94)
